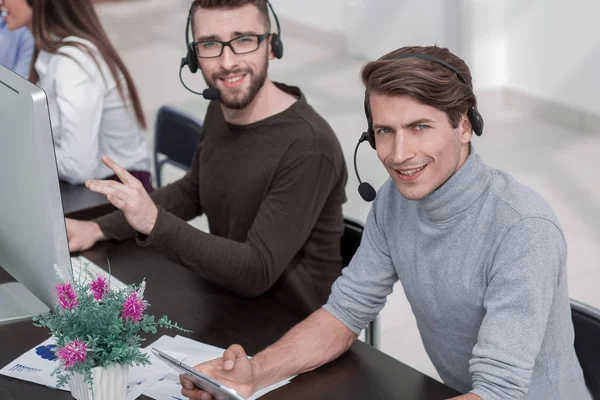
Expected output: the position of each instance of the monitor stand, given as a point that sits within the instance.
(18, 304)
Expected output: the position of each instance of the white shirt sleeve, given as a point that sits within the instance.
(80, 90)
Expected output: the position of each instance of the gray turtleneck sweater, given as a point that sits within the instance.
(483, 263)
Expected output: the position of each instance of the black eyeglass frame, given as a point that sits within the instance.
(259, 38)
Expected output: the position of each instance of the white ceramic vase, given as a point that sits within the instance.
(110, 383)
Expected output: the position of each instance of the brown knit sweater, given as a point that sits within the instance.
(272, 192)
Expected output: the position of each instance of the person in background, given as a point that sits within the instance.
(268, 173)
(94, 106)
(16, 47)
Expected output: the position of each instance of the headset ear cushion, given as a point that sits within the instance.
(276, 45)
(192, 60)
(476, 120)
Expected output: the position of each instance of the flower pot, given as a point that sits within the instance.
(110, 383)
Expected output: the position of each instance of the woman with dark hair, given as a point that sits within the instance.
(94, 106)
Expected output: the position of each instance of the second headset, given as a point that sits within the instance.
(191, 58)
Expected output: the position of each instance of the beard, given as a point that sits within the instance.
(239, 98)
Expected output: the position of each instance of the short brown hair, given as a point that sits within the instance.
(230, 4)
(427, 82)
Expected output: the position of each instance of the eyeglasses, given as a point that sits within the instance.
(240, 45)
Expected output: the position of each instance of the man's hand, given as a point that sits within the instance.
(129, 197)
(82, 234)
(234, 370)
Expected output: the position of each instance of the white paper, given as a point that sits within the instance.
(141, 378)
(194, 353)
(37, 364)
(169, 387)
(164, 385)
(156, 380)
(193, 344)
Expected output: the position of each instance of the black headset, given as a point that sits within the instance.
(367, 192)
(474, 116)
(191, 58)
(30, 2)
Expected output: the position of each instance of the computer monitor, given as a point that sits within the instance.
(33, 235)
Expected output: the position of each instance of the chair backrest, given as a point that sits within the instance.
(176, 136)
(351, 239)
(586, 321)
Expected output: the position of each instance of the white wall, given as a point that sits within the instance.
(326, 15)
(471, 29)
(553, 50)
(374, 28)
(483, 41)
(549, 49)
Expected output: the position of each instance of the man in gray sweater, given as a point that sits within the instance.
(481, 257)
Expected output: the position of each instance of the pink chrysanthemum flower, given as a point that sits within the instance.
(72, 353)
(67, 298)
(99, 288)
(133, 308)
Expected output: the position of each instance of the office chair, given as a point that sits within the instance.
(176, 136)
(586, 321)
(350, 241)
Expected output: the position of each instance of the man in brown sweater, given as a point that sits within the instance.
(268, 173)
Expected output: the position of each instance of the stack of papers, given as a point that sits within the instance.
(156, 380)
(38, 364)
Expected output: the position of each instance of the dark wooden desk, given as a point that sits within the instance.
(81, 203)
(220, 318)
